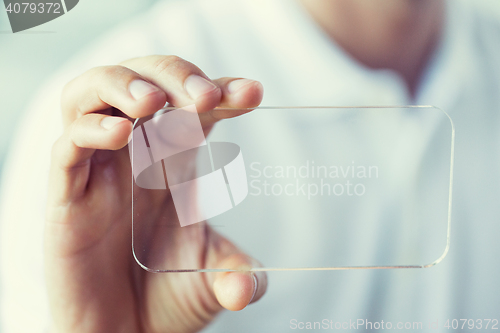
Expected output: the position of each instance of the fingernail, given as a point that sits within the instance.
(255, 288)
(236, 85)
(109, 122)
(139, 88)
(197, 86)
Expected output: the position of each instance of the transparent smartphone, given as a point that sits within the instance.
(298, 188)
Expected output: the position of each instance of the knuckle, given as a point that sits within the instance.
(66, 95)
(164, 64)
(92, 79)
(57, 149)
(108, 72)
(73, 130)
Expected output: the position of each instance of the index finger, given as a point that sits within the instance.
(102, 88)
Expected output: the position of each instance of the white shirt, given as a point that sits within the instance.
(276, 43)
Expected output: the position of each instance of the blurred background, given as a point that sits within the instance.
(28, 58)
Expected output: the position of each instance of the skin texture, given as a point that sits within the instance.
(393, 34)
(94, 283)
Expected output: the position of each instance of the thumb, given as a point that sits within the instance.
(239, 286)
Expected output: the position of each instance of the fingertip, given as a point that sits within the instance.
(109, 123)
(243, 93)
(122, 133)
(140, 89)
(254, 97)
(147, 105)
(235, 290)
(157, 100)
(203, 92)
(119, 129)
(144, 98)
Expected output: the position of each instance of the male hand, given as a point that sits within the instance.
(94, 283)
